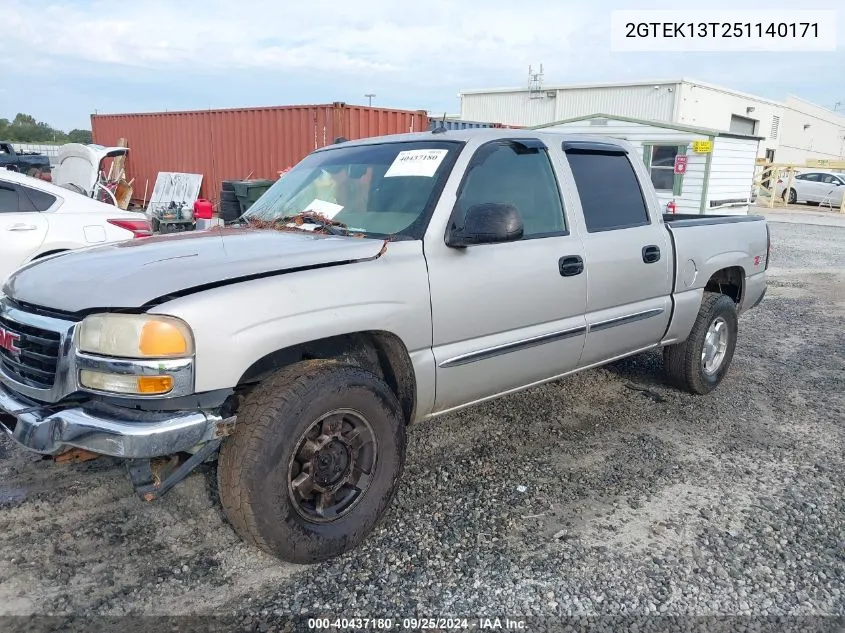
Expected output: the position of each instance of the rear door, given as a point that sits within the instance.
(809, 188)
(22, 228)
(507, 315)
(628, 253)
(831, 190)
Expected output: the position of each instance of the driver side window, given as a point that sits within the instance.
(506, 172)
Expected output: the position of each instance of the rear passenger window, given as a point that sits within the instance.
(40, 199)
(609, 190)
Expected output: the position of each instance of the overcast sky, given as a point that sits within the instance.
(62, 60)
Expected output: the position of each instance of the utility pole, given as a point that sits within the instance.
(370, 97)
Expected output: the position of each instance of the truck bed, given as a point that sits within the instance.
(678, 220)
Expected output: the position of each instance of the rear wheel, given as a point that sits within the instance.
(700, 363)
(314, 460)
(793, 196)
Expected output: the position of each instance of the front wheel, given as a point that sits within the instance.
(700, 363)
(314, 460)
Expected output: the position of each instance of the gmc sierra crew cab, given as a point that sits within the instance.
(377, 284)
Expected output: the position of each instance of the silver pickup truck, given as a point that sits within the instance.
(379, 283)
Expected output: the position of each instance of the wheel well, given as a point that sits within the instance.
(728, 281)
(53, 252)
(380, 352)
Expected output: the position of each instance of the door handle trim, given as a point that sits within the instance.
(21, 227)
(651, 254)
(570, 265)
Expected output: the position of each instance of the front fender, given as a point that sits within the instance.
(238, 324)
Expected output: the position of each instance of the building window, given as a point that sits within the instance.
(660, 160)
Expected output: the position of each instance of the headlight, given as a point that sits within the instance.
(135, 336)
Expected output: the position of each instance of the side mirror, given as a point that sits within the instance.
(487, 223)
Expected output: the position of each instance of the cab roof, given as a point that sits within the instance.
(482, 135)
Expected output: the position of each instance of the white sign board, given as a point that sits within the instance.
(176, 187)
(416, 162)
(324, 207)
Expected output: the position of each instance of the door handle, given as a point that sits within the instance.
(21, 227)
(651, 254)
(570, 265)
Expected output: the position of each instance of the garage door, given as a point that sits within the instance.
(742, 125)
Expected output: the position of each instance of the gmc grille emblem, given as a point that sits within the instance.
(9, 341)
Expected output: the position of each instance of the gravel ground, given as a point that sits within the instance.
(606, 493)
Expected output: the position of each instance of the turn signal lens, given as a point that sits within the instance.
(155, 384)
(124, 383)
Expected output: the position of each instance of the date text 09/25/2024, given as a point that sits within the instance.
(416, 624)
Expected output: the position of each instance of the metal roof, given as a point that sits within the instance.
(626, 84)
(661, 124)
(620, 84)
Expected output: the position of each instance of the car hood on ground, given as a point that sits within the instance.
(136, 272)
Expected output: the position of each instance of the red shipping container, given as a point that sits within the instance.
(236, 144)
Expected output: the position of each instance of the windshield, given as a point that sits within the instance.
(375, 190)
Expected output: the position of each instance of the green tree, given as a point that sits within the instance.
(80, 136)
(25, 128)
(24, 119)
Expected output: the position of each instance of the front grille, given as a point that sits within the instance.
(35, 366)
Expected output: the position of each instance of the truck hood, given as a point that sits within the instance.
(134, 273)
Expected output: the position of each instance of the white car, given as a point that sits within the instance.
(821, 187)
(38, 218)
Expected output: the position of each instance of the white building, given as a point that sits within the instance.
(810, 131)
(792, 131)
(718, 174)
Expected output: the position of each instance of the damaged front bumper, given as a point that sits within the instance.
(107, 430)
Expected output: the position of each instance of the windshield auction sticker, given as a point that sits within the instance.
(417, 162)
(324, 207)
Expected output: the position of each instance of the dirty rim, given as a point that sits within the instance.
(715, 346)
(333, 466)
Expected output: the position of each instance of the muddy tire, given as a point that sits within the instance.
(306, 439)
(700, 363)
